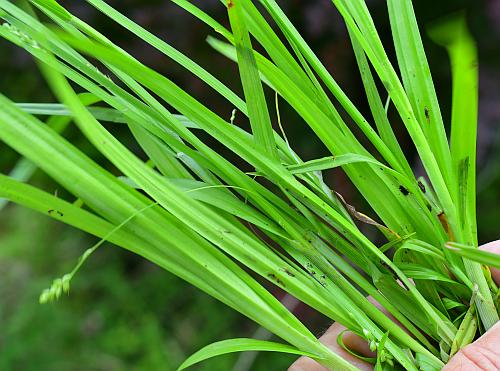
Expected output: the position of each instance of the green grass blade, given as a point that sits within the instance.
(455, 37)
(100, 113)
(240, 345)
(378, 111)
(331, 162)
(484, 257)
(252, 87)
(417, 272)
(417, 81)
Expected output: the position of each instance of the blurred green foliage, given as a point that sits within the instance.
(122, 313)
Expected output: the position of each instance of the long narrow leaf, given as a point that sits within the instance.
(254, 94)
(240, 345)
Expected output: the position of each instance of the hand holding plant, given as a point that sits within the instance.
(483, 354)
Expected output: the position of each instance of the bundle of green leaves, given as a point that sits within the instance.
(194, 213)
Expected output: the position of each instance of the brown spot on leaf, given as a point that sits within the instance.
(404, 191)
(421, 186)
(273, 277)
(288, 272)
(446, 226)
(56, 212)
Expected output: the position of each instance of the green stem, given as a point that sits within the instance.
(484, 300)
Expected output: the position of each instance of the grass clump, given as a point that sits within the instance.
(191, 211)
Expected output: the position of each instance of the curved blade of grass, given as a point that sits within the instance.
(240, 345)
(340, 342)
(419, 247)
(417, 272)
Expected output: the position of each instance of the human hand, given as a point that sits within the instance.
(483, 354)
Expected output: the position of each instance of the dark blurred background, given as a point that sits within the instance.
(123, 313)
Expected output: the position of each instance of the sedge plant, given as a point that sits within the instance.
(190, 210)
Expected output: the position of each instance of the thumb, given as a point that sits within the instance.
(493, 247)
(483, 354)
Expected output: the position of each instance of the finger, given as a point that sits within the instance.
(359, 345)
(330, 340)
(493, 247)
(350, 339)
(483, 354)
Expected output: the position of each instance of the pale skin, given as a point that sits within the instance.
(482, 355)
